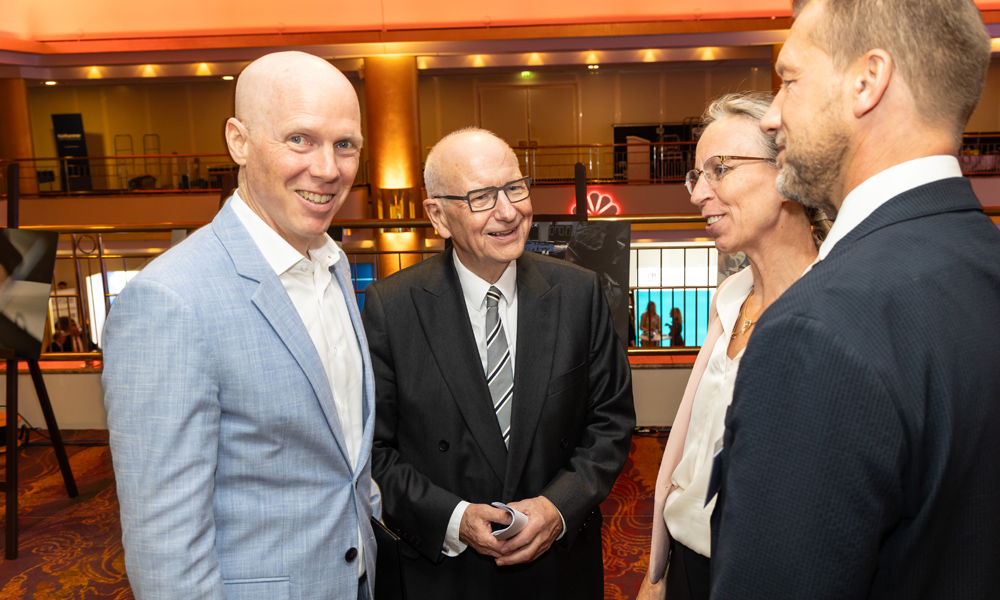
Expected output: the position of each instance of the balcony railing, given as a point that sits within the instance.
(634, 163)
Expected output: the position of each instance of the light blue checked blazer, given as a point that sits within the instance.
(231, 466)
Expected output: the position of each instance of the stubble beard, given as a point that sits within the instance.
(809, 176)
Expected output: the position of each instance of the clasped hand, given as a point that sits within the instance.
(544, 526)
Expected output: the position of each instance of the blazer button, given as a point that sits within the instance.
(563, 443)
(351, 555)
(443, 446)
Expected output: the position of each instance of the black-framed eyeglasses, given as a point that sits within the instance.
(486, 198)
(715, 169)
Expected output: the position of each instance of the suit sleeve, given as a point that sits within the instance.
(163, 420)
(585, 481)
(409, 496)
(812, 469)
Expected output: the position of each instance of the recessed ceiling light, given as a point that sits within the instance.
(50, 83)
(227, 77)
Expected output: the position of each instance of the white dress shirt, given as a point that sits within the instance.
(474, 289)
(320, 303)
(685, 512)
(882, 187)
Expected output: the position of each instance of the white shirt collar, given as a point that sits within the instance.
(731, 296)
(882, 187)
(277, 252)
(475, 287)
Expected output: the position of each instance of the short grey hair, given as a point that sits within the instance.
(753, 106)
(940, 47)
(435, 182)
(747, 105)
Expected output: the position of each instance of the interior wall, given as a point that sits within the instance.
(606, 97)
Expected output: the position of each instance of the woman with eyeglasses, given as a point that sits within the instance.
(733, 185)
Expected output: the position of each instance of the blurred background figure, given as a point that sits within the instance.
(651, 326)
(676, 324)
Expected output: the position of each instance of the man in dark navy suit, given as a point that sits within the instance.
(861, 453)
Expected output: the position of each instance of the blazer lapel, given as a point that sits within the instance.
(342, 272)
(273, 302)
(444, 319)
(537, 323)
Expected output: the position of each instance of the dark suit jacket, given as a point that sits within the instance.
(437, 440)
(862, 447)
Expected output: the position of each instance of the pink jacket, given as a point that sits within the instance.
(675, 447)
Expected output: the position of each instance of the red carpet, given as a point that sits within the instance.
(71, 548)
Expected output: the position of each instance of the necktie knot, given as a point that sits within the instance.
(492, 297)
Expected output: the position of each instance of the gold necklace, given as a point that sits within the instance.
(747, 321)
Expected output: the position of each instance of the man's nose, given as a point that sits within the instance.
(771, 121)
(503, 209)
(324, 164)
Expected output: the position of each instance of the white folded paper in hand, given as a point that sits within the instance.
(517, 523)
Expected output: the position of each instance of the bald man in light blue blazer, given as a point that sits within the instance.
(241, 443)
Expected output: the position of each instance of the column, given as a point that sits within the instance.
(15, 124)
(393, 143)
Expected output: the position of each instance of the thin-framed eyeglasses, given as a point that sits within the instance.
(486, 198)
(715, 169)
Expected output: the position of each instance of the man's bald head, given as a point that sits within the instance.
(297, 139)
(452, 154)
(272, 78)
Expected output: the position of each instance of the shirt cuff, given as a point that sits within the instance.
(452, 546)
(563, 519)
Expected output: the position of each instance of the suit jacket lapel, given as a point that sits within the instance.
(273, 302)
(342, 272)
(444, 319)
(537, 323)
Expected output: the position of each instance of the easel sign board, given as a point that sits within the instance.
(27, 262)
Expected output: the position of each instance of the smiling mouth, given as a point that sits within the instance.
(502, 233)
(714, 219)
(315, 198)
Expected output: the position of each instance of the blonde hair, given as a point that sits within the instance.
(940, 47)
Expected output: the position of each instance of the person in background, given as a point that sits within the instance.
(676, 326)
(237, 379)
(650, 325)
(735, 190)
(860, 455)
(499, 378)
(58, 341)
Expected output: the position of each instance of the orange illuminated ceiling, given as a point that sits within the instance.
(118, 39)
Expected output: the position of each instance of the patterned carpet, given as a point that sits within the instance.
(71, 548)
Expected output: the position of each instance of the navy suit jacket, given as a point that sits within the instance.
(862, 447)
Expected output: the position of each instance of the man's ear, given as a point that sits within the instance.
(437, 215)
(237, 138)
(871, 81)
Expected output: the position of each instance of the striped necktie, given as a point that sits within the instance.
(499, 372)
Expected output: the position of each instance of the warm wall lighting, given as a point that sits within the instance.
(995, 44)
(708, 53)
(203, 69)
(421, 62)
(535, 59)
(227, 77)
(592, 58)
(50, 83)
(477, 61)
(649, 56)
(94, 73)
(148, 71)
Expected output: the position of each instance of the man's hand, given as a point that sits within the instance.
(649, 591)
(476, 530)
(544, 525)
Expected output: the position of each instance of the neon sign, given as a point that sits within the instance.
(599, 203)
